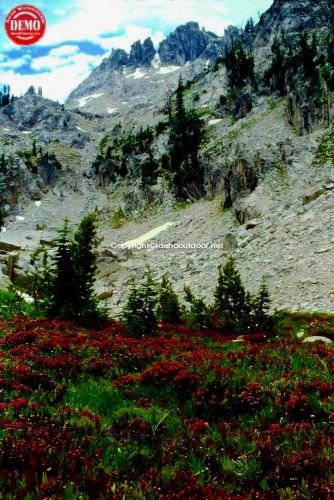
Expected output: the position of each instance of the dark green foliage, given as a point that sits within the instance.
(240, 67)
(112, 162)
(262, 319)
(5, 96)
(63, 288)
(40, 279)
(84, 262)
(232, 301)
(2, 212)
(275, 76)
(161, 127)
(249, 27)
(149, 171)
(43, 162)
(169, 307)
(64, 285)
(139, 312)
(327, 71)
(184, 142)
(198, 314)
(291, 65)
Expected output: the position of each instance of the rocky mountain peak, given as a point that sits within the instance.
(186, 43)
(117, 59)
(141, 54)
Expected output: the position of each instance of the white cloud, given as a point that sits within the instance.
(88, 19)
(64, 51)
(9, 64)
(58, 83)
(132, 33)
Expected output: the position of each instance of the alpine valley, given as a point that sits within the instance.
(198, 366)
(208, 140)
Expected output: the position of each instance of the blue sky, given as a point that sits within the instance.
(80, 33)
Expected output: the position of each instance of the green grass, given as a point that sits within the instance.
(325, 151)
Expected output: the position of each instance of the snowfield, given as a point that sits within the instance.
(156, 61)
(147, 236)
(137, 74)
(167, 69)
(214, 121)
(85, 100)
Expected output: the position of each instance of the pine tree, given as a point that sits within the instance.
(261, 309)
(169, 307)
(139, 312)
(34, 148)
(198, 315)
(180, 108)
(83, 253)
(31, 90)
(63, 286)
(231, 299)
(41, 277)
(275, 76)
(249, 28)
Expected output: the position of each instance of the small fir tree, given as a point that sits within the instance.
(63, 286)
(231, 299)
(139, 312)
(41, 277)
(83, 251)
(198, 315)
(169, 307)
(261, 309)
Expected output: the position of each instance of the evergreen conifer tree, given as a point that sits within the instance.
(198, 315)
(41, 278)
(169, 307)
(83, 250)
(231, 299)
(139, 312)
(261, 309)
(63, 286)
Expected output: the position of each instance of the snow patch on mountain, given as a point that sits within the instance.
(167, 69)
(156, 61)
(137, 74)
(147, 236)
(84, 100)
(214, 121)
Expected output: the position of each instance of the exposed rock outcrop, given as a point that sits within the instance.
(186, 43)
(141, 54)
(293, 17)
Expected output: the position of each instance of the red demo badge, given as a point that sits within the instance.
(25, 24)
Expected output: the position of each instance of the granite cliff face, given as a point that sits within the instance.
(292, 17)
(142, 54)
(187, 43)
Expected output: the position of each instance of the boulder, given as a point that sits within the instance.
(308, 198)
